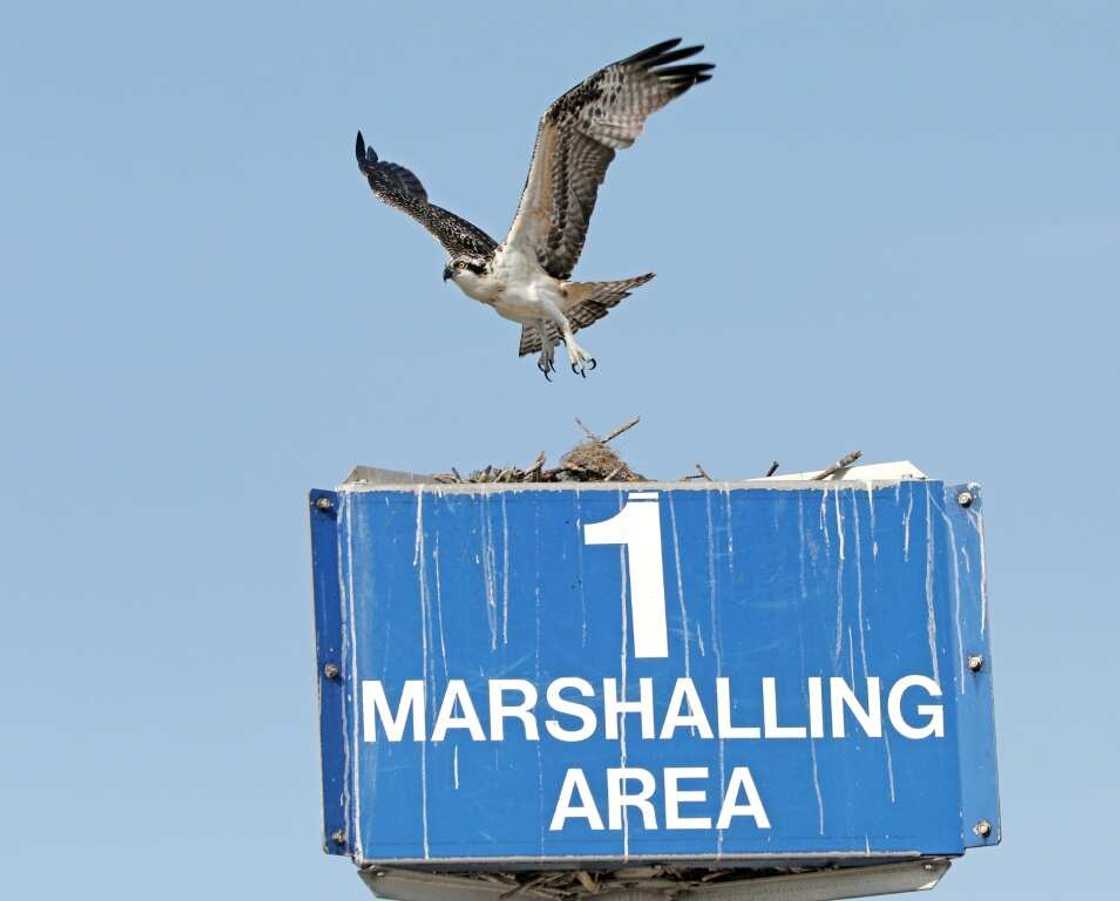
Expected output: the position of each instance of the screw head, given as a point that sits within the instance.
(975, 662)
(325, 504)
(331, 671)
(338, 837)
(965, 499)
(983, 829)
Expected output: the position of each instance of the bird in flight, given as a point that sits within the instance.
(526, 278)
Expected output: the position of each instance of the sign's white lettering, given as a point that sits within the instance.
(637, 789)
(579, 711)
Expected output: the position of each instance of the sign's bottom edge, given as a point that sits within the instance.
(723, 861)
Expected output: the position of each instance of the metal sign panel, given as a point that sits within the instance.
(734, 672)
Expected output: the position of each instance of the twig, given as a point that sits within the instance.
(538, 464)
(773, 469)
(503, 879)
(590, 434)
(455, 473)
(703, 474)
(625, 427)
(843, 463)
(622, 428)
(524, 887)
(587, 882)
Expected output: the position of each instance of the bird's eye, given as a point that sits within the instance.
(459, 264)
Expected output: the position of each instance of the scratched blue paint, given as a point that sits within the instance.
(838, 580)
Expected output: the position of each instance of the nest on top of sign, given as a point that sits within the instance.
(594, 460)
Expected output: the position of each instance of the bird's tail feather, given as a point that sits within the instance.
(587, 302)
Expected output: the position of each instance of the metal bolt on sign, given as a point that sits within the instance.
(331, 671)
(965, 499)
(338, 837)
(325, 504)
(983, 829)
(975, 662)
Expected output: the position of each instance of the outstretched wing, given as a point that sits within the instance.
(576, 141)
(399, 188)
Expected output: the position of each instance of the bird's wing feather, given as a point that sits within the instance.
(585, 304)
(531, 339)
(576, 140)
(399, 188)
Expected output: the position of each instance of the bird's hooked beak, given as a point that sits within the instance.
(447, 272)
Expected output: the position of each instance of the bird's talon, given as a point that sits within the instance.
(592, 364)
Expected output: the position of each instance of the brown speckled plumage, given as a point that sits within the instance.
(577, 139)
(399, 188)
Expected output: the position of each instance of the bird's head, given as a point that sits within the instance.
(465, 270)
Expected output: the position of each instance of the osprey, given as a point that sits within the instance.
(526, 278)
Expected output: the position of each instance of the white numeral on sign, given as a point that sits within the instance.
(638, 526)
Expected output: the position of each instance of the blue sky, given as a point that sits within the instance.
(892, 226)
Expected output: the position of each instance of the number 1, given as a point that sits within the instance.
(638, 526)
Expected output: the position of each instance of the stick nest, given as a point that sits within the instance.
(592, 460)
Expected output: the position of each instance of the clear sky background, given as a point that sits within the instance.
(886, 226)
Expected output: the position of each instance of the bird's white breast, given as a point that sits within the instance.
(516, 287)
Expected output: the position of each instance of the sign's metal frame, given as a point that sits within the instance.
(979, 798)
(821, 885)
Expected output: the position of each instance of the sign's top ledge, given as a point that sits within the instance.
(370, 478)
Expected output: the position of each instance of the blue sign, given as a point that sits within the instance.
(688, 671)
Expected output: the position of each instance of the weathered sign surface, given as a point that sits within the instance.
(702, 671)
